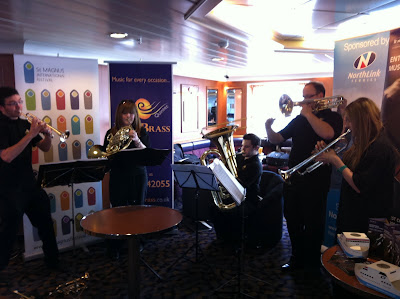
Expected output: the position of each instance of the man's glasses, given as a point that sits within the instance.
(13, 103)
(306, 97)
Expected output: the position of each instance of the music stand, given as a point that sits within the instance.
(144, 156)
(70, 173)
(200, 178)
(240, 260)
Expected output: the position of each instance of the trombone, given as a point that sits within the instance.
(286, 174)
(286, 104)
(63, 135)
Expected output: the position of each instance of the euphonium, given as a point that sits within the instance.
(116, 143)
(223, 139)
(286, 104)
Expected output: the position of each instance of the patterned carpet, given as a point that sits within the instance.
(216, 265)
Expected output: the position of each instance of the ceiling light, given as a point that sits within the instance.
(217, 58)
(118, 35)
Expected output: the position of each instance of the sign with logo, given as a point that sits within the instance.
(150, 87)
(63, 92)
(360, 67)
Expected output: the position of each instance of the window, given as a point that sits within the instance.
(263, 103)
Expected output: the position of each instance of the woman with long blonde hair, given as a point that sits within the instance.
(368, 168)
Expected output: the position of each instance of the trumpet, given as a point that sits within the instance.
(286, 104)
(63, 135)
(286, 174)
(75, 286)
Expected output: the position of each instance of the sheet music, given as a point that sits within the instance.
(226, 178)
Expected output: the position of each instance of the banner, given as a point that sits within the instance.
(360, 67)
(63, 92)
(369, 66)
(391, 97)
(150, 87)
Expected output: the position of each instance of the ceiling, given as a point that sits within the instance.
(257, 39)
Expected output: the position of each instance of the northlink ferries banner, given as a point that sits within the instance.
(150, 87)
(360, 67)
(360, 71)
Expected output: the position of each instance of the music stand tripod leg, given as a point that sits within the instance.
(240, 262)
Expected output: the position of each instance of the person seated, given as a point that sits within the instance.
(228, 223)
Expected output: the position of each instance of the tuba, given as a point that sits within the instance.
(222, 138)
(117, 142)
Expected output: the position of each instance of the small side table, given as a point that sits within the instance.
(129, 223)
(348, 282)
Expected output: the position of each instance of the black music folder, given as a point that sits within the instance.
(144, 156)
(71, 172)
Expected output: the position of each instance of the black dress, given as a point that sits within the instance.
(128, 183)
(374, 177)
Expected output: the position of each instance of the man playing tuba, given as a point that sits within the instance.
(228, 223)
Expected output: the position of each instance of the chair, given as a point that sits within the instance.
(180, 155)
(264, 227)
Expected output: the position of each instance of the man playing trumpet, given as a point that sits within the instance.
(305, 196)
(19, 192)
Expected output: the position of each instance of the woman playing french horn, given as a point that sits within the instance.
(128, 183)
(368, 168)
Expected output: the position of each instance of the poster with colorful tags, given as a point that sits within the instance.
(64, 93)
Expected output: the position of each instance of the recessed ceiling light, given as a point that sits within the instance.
(118, 35)
(217, 58)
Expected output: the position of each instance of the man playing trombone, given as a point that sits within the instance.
(305, 196)
(19, 192)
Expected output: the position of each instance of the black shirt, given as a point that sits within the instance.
(304, 140)
(18, 173)
(249, 175)
(304, 137)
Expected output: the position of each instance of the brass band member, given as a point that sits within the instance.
(19, 192)
(305, 197)
(228, 224)
(368, 168)
(128, 183)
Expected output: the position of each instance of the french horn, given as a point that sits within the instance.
(116, 143)
(222, 138)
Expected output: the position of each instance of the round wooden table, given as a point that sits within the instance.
(129, 223)
(348, 282)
